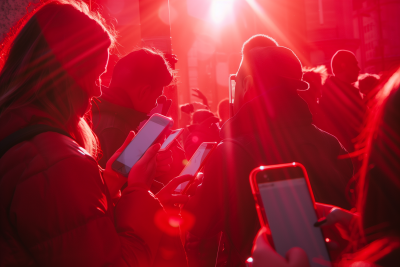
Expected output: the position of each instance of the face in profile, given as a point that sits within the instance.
(91, 84)
(352, 70)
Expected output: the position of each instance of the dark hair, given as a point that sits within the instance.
(201, 115)
(341, 57)
(143, 66)
(47, 60)
(379, 183)
(258, 40)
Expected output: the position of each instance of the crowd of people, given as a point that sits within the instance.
(62, 204)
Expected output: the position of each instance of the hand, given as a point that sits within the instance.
(337, 217)
(166, 196)
(264, 255)
(152, 162)
(200, 95)
(113, 179)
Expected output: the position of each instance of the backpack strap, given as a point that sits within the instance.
(25, 134)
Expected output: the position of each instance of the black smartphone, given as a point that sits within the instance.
(285, 204)
(154, 128)
(195, 164)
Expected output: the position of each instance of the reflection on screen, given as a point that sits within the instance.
(291, 217)
(142, 141)
(194, 164)
(170, 138)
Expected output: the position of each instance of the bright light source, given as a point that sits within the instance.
(249, 259)
(262, 168)
(220, 9)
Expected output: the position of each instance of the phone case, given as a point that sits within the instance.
(256, 192)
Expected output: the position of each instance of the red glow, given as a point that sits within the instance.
(327, 240)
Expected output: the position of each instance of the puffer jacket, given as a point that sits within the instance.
(270, 129)
(55, 208)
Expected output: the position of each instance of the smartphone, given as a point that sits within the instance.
(285, 204)
(195, 164)
(232, 85)
(154, 129)
(170, 139)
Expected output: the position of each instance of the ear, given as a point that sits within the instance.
(248, 85)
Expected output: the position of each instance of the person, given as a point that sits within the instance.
(366, 84)
(315, 77)
(257, 40)
(204, 128)
(271, 125)
(377, 238)
(137, 83)
(341, 104)
(56, 206)
(223, 111)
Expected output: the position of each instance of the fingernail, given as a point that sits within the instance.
(320, 222)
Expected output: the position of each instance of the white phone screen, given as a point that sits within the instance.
(170, 138)
(140, 143)
(194, 164)
(291, 217)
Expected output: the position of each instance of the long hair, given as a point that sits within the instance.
(379, 184)
(46, 63)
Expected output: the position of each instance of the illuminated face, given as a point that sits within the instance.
(91, 85)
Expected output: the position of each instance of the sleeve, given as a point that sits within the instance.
(222, 199)
(64, 218)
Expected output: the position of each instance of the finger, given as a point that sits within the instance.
(177, 181)
(128, 139)
(164, 155)
(150, 154)
(165, 161)
(297, 257)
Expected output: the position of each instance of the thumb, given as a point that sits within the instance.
(151, 153)
(128, 139)
(297, 257)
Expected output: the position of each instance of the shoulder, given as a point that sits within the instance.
(328, 139)
(46, 151)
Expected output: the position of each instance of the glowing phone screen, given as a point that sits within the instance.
(291, 217)
(194, 164)
(142, 141)
(170, 138)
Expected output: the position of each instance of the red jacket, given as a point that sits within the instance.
(55, 209)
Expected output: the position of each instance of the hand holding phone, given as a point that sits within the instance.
(285, 204)
(152, 131)
(195, 164)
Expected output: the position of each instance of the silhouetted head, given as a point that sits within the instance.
(258, 40)
(315, 78)
(201, 115)
(268, 69)
(223, 110)
(142, 75)
(344, 66)
(367, 82)
(54, 65)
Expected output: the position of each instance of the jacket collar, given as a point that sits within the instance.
(268, 112)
